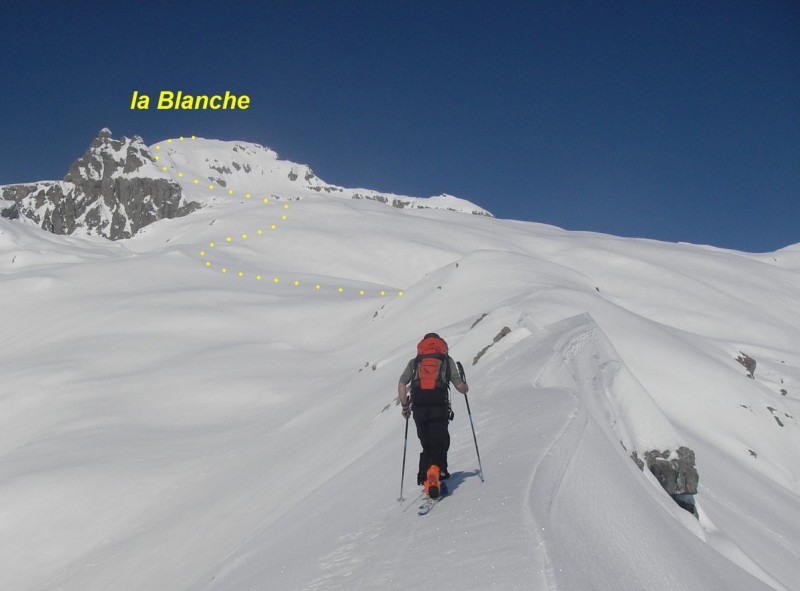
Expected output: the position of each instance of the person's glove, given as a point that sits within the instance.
(406, 411)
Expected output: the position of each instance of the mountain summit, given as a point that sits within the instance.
(113, 190)
(120, 186)
(241, 167)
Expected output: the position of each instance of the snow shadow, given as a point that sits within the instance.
(458, 478)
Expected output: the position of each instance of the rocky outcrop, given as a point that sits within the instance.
(114, 190)
(8, 209)
(676, 472)
(748, 363)
(502, 334)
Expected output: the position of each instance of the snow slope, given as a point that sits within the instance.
(236, 169)
(168, 425)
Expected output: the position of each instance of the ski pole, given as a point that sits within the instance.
(471, 424)
(403, 471)
(475, 439)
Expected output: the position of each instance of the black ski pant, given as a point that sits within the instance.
(432, 423)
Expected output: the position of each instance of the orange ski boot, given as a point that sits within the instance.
(432, 486)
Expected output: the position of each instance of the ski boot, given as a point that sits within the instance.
(432, 486)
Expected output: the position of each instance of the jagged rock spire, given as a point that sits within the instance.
(113, 190)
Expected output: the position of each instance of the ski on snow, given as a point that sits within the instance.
(428, 503)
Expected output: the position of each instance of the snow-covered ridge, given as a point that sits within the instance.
(120, 186)
(244, 167)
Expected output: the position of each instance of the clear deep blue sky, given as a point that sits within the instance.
(676, 120)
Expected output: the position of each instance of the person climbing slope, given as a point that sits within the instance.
(428, 377)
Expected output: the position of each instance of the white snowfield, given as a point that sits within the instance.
(165, 425)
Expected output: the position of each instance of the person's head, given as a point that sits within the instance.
(431, 335)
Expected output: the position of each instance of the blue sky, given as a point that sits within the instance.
(666, 119)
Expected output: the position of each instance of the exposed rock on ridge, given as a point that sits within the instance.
(8, 209)
(113, 190)
(676, 472)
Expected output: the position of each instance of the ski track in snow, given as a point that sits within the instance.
(547, 477)
(545, 482)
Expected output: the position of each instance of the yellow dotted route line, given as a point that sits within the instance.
(244, 236)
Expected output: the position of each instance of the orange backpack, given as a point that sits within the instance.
(431, 368)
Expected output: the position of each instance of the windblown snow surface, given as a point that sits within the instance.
(167, 425)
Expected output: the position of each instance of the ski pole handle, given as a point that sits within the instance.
(461, 371)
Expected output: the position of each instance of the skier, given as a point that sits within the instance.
(429, 375)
